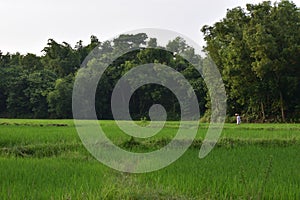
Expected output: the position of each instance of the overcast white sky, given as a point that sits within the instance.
(26, 25)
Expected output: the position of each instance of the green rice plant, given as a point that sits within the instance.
(265, 178)
(41, 161)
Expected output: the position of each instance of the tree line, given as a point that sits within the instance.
(41, 86)
(256, 49)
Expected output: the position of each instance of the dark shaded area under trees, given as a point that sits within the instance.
(256, 49)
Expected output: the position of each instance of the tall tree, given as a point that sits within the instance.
(255, 50)
(61, 58)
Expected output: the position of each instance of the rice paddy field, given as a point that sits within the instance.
(45, 159)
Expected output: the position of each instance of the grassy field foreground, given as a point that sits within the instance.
(45, 159)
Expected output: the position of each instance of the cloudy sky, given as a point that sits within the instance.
(26, 25)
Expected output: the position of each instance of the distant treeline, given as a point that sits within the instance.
(256, 49)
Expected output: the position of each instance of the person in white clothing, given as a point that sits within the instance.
(238, 119)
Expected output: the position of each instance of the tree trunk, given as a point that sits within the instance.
(263, 111)
(282, 107)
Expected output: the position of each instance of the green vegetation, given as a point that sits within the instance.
(256, 50)
(44, 159)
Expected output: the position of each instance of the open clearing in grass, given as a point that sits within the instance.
(42, 161)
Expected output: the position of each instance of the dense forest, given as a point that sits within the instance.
(257, 50)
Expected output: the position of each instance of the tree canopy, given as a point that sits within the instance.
(257, 50)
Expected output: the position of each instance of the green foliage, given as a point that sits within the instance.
(61, 58)
(60, 99)
(256, 51)
(41, 87)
